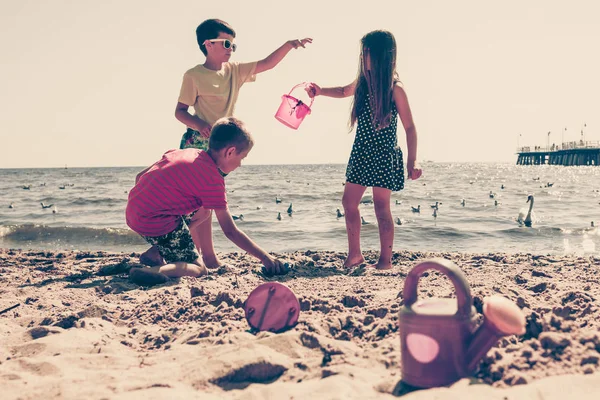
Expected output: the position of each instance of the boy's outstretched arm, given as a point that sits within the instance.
(275, 57)
(240, 239)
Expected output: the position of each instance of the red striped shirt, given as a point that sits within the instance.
(181, 182)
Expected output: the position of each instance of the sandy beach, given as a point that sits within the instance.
(81, 330)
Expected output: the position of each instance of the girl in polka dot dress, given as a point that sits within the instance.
(376, 160)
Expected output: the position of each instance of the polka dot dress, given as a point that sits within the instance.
(376, 159)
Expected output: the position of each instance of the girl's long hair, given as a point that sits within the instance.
(378, 80)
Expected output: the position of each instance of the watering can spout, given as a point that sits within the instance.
(502, 318)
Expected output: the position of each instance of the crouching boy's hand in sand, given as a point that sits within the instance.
(274, 266)
(232, 232)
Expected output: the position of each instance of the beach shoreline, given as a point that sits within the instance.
(82, 330)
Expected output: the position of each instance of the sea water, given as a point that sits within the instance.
(88, 209)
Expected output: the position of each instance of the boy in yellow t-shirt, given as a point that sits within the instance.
(212, 89)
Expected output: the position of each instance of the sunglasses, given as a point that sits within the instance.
(226, 43)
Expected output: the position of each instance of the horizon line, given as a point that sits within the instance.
(252, 165)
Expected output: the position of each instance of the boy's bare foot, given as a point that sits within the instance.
(353, 261)
(211, 262)
(152, 257)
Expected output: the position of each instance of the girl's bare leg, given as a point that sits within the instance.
(351, 199)
(201, 230)
(381, 202)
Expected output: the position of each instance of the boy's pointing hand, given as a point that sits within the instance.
(295, 43)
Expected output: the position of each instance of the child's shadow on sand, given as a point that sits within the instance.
(112, 278)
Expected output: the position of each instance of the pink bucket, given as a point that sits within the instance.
(292, 111)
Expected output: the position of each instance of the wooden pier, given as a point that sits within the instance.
(569, 153)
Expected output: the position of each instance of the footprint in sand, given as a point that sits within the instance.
(28, 350)
(41, 369)
(10, 377)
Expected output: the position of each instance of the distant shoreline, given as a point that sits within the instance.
(258, 165)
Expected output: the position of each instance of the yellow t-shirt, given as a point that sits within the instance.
(213, 93)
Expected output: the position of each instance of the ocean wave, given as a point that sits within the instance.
(16, 234)
(107, 201)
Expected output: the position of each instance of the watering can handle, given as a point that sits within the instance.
(448, 268)
(297, 86)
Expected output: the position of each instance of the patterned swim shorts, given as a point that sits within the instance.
(192, 139)
(177, 245)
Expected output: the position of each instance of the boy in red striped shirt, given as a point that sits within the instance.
(172, 197)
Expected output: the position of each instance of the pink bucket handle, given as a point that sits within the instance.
(297, 86)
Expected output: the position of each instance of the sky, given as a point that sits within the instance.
(87, 83)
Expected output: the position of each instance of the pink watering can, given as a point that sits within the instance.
(439, 340)
(292, 111)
